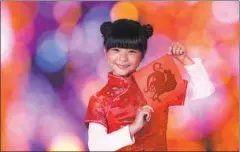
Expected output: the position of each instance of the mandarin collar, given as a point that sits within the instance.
(119, 81)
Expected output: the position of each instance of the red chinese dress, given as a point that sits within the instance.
(116, 104)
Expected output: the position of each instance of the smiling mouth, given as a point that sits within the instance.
(122, 66)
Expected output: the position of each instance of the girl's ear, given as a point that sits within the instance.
(105, 51)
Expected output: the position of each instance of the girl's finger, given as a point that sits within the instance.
(181, 51)
(148, 107)
(174, 48)
(147, 115)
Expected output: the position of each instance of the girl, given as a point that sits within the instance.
(118, 117)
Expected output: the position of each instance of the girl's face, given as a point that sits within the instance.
(123, 61)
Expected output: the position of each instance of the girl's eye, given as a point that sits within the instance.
(132, 51)
(115, 50)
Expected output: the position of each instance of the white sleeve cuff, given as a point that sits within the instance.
(131, 139)
(120, 138)
(200, 85)
(100, 140)
(193, 68)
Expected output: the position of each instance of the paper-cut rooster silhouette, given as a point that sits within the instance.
(160, 81)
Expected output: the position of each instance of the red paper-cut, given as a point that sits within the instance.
(160, 80)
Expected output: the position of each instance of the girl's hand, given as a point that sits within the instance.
(143, 116)
(179, 52)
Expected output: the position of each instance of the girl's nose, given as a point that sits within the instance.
(123, 56)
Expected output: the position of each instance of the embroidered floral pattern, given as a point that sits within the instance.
(116, 105)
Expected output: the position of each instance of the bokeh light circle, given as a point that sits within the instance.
(191, 118)
(192, 3)
(53, 123)
(67, 13)
(93, 41)
(66, 142)
(201, 14)
(6, 34)
(222, 32)
(22, 13)
(89, 31)
(219, 71)
(46, 9)
(124, 10)
(103, 69)
(226, 11)
(158, 45)
(18, 116)
(76, 42)
(52, 52)
(199, 43)
(92, 86)
(230, 55)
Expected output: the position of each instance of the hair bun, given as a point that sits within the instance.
(148, 29)
(106, 28)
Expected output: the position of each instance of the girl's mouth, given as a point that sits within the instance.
(122, 66)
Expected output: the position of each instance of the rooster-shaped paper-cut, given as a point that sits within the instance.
(160, 81)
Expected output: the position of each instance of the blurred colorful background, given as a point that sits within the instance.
(52, 60)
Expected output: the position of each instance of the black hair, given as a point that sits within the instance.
(126, 33)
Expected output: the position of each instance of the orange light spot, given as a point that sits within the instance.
(124, 10)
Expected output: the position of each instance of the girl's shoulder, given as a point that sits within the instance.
(102, 95)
